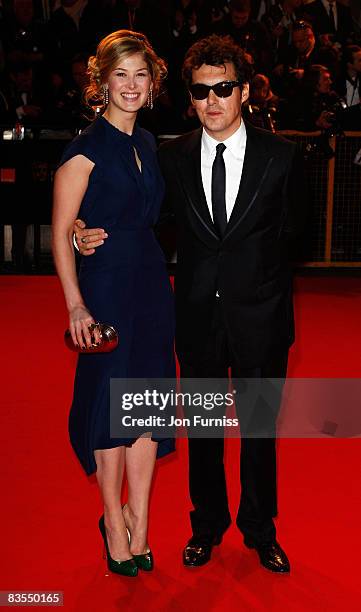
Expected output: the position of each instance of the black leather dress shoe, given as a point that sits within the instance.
(199, 550)
(271, 556)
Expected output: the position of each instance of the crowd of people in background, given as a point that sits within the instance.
(306, 58)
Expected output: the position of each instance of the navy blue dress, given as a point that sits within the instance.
(125, 283)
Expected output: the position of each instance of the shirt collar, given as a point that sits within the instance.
(236, 143)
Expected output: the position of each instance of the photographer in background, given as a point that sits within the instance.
(75, 27)
(23, 95)
(262, 106)
(317, 106)
(211, 12)
(146, 16)
(22, 35)
(348, 85)
(252, 36)
(68, 108)
(302, 53)
(279, 20)
(332, 18)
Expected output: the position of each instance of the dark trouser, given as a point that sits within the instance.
(18, 254)
(207, 483)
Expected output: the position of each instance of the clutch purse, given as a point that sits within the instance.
(108, 340)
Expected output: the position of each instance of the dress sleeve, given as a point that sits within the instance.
(81, 145)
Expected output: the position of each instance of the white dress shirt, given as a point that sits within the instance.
(233, 158)
(352, 93)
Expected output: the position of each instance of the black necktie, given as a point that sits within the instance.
(219, 191)
(332, 19)
(131, 18)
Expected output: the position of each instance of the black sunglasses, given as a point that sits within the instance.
(224, 89)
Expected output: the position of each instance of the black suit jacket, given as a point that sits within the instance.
(317, 15)
(250, 267)
(341, 85)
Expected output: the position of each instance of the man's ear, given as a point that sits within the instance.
(245, 93)
(191, 97)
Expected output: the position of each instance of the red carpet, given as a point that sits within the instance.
(49, 512)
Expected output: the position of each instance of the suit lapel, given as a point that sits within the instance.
(189, 167)
(256, 166)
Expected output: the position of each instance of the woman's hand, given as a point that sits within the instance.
(79, 321)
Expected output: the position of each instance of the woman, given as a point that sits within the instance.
(109, 175)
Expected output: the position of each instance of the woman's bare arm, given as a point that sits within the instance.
(71, 182)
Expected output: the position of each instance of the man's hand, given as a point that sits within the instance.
(32, 111)
(278, 31)
(88, 239)
(324, 121)
(279, 70)
(298, 73)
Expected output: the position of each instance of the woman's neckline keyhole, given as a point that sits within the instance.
(137, 159)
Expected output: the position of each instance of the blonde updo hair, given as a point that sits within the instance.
(111, 50)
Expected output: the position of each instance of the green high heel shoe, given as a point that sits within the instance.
(144, 561)
(124, 568)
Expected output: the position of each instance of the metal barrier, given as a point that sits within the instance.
(26, 181)
(332, 237)
(333, 233)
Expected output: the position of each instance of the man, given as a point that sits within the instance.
(279, 20)
(68, 106)
(330, 17)
(22, 35)
(232, 190)
(314, 108)
(348, 84)
(301, 54)
(261, 109)
(76, 26)
(251, 35)
(144, 16)
(25, 102)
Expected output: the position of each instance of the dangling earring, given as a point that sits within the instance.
(105, 95)
(150, 99)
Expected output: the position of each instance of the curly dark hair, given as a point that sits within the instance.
(217, 51)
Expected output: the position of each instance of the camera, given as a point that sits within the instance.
(336, 115)
(336, 109)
